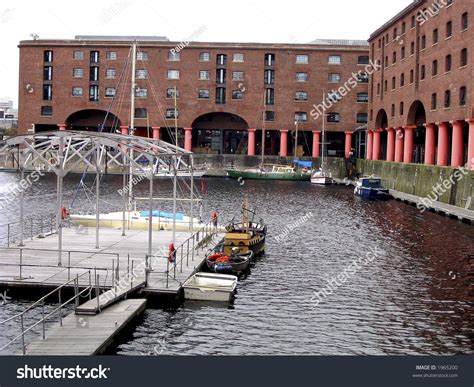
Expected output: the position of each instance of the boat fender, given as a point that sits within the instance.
(64, 213)
(171, 253)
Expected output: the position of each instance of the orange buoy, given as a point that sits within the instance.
(64, 213)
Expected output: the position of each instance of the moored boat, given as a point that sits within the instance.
(271, 172)
(210, 287)
(236, 262)
(371, 188)
(321, 178)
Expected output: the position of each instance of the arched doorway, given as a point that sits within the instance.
(417, 117)
(381, 122)
(220, 133)
(93, 120)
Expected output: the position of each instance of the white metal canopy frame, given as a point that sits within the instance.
(63, 151)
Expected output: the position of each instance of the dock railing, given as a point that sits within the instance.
(184, 253)
(91, 285)
(10, 233)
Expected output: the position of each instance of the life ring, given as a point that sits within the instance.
(171, 253)
(64, 213)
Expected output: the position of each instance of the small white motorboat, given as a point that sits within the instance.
(210, 287)
(321, 178)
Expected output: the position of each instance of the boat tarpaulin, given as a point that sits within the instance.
(156, 214)
(304, 164)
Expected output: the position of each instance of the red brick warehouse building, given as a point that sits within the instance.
(226, 92)
(421, 101)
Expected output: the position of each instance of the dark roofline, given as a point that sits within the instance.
(194, 44)
(398, 16)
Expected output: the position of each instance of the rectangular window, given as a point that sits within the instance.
(221, 60)
(77, 92)
(434, 101)
(203, 94)
(334, 96)
(363, 97)
(141, 92)
(334, 59)
(333, 117)
(78, 55)
(363, 78)
(447, 99)
(47, 92)
(423, 42)
(204, 75)
(110, 92)
(204, 57)
(174, 56)
(363, 60)
(238, 76)
(402, 108)
(301, 77)
(110, 73)
(334, 78)
(269, 77)
(435, 36)
(141, 74)
(173, 74)
(170, 93)
(93, 93)
(78, 73)
(464, 57)
(464, 21)
(449, 29)
(48, 56)
(238, 58)
(302, 59)
(237, 94)
(462, 96)
(111, 55)
(94, 56)
(301, 96)
(221, 76)
(362, 118)
(142, 55)
(269, 116)
(269, 59)
(172, 113)
(141, 113)
(301, 117)
(46, 111)
(449, 63)
(48, 73)
(422, 72)
(220, 95)
(94, 74)
(269, 97)
(434, 68)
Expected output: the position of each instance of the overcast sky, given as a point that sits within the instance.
(269, 21)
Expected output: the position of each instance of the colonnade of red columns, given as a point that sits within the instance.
(400, 144)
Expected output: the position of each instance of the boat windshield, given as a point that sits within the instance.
(372, 183)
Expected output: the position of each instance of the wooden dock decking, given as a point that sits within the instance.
(40, 260)
(448, 210)
(87, 335)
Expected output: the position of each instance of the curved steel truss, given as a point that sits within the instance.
(64, 151)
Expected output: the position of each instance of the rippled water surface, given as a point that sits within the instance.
(411, 292)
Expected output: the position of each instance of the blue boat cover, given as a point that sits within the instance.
(167, 215)
(304, 164)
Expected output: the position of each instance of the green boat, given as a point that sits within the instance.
(271, 172)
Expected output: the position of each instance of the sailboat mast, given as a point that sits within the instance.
(263, 129)
(132, 121)
(324, 133)
(175, 115)
(296, 138)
